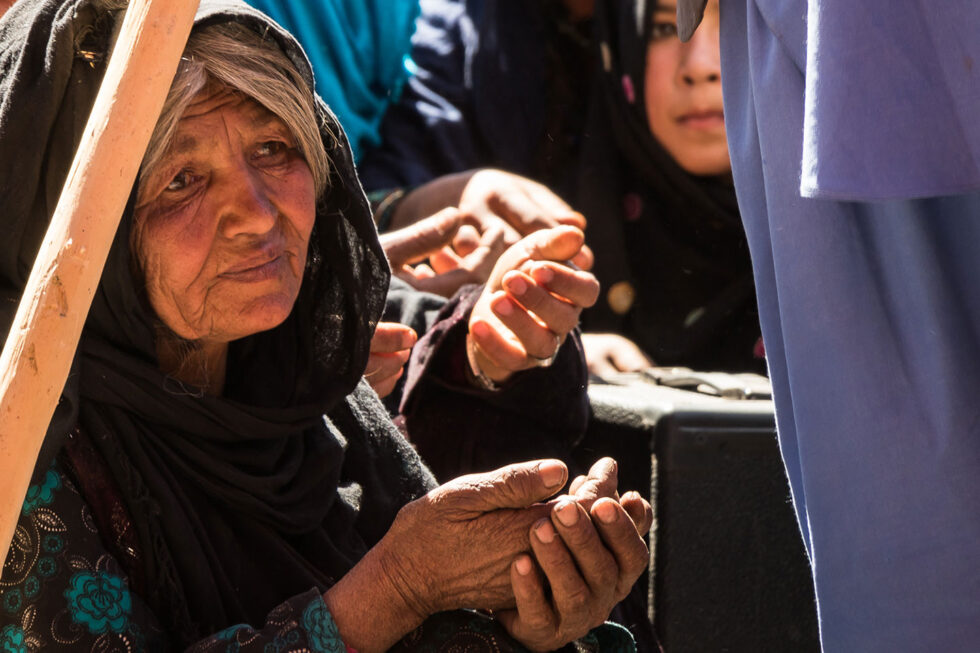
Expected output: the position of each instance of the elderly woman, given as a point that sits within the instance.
(218, 475)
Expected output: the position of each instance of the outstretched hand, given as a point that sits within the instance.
(433, 239)
(588, 554)
(531, 302)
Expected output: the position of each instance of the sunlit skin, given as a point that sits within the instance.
(682, 92)
(224, 222)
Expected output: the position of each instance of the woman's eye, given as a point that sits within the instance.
(663, 30)
(181, 180)
(271, 152)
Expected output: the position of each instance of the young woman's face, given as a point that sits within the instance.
(683, 92)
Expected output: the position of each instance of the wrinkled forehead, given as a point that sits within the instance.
(689, 15)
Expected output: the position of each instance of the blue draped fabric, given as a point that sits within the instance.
(359, 51)
(870, 310)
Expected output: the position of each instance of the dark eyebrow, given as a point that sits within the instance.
(183, 144)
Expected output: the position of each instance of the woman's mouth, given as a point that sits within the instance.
(252, 271)
(703, 120)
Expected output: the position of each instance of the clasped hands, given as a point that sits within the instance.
(551, 570)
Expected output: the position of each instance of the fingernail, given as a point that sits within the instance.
(408, 339)
(480, 329)
(567, 513)
(552, 473)
(504, 307)
(543, 274)
(609, 465)
(605, 511)
(516, 285)
(523, 565)
(545, 531)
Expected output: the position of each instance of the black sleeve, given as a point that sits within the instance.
(458, 428)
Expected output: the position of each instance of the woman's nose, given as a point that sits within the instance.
(246, 207)
(701, 58)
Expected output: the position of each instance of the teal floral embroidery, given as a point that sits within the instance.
(47, 567)
(99, 601)
(43, 494)
(52, 543)
(31, 587)
(321, 631)
(12, 640)
(12, 600)
(281, 643)
(229, 632)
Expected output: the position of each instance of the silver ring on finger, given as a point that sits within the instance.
(545, 362)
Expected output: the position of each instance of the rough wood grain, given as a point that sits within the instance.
(39, 349)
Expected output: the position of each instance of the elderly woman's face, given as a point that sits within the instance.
(224, 222)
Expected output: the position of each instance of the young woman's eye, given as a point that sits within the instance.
(663, 30)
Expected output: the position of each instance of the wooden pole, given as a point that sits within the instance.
(42, 341)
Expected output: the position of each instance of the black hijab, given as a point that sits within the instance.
(672, 239)
(280, 485)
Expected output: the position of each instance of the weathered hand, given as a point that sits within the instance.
(588, 564)
(391, 346)
(608, 353)
(453, 548)
(530, 303)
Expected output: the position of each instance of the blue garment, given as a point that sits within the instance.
(871, 317)
(359, 51)
(499, 84)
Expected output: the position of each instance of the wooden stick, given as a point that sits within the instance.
(38, 353)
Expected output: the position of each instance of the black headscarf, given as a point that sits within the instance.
(280, 485)
(674, 238)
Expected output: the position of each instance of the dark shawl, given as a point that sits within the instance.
(296, 466)
(676, 238)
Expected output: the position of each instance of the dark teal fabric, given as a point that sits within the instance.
(359, 51)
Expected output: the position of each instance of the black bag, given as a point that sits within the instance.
(728, 569)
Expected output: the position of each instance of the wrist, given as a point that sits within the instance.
(373, 605)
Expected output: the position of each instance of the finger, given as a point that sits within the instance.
(390, 337)
(532, 207)
(601, 481)
(384, 387)
(572, 595)
(499, 345)
(557, 314)
(537, 340)
(557, 244)
(623, 541)
(577, 286)
(415, 242)
(639, 510)
(627, 357)
(595, 562)
(514, 486)
(599, 365)
(423, 271)
(584, 259)
(445, 260)
(447, 283)
(534, 613)
(467, 239)
(384, 370)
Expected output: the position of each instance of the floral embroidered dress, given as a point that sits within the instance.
(61, 587)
